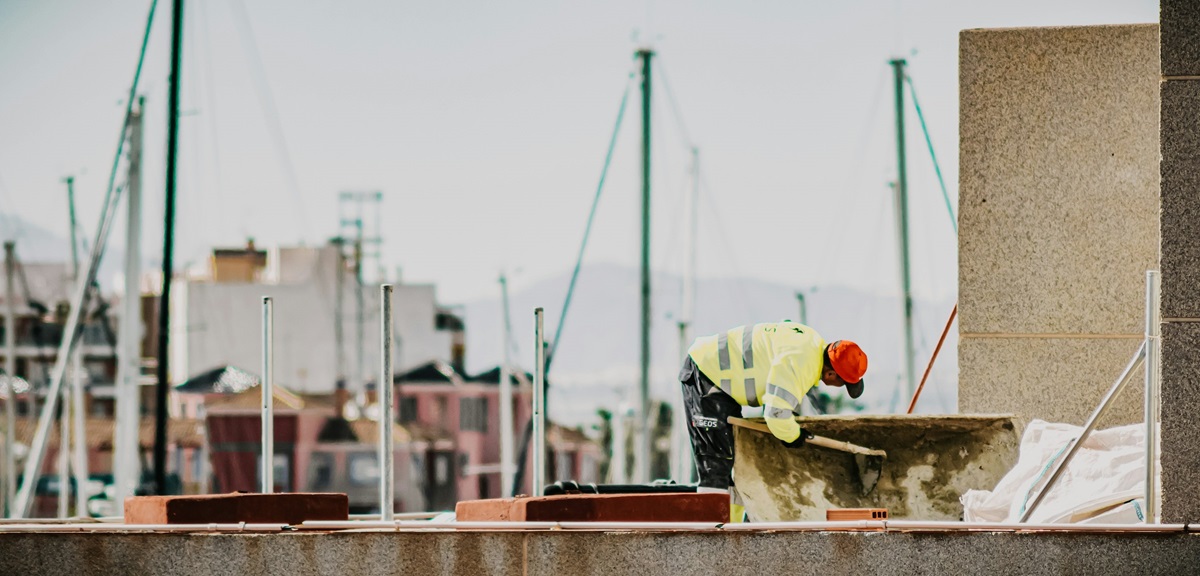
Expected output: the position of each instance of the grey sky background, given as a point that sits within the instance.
(485, 125)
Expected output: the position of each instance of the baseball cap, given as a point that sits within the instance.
(850, 363)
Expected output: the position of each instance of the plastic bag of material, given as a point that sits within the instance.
(1107, 473)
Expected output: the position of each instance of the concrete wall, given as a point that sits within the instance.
(1058, 216)
(600, 553)
(1180, 307)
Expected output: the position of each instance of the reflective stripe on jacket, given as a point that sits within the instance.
(774, 368)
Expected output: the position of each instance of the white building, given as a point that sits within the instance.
(217, 320)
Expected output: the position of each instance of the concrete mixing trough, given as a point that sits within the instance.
(932, 461)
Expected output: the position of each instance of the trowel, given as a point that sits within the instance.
(869, 462)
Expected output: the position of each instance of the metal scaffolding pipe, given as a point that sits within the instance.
(539, 402)
(387, 451)
(1116, 388)
(10, 377)
(268, 384)
(1153, 350)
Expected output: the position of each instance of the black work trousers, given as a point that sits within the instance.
(708, 408)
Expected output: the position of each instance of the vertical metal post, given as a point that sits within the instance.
(387, 450)
(10, 376)
(360, 373)
(79, 458)
(507, 467)
(268, 389)
(902, 227)
(64, 413)
(803, 307)
(126, 446)
(1153, 348)
(539, 399)
(168, 263)
(339, 320)
(79, 463)
(643, 445)
(1111, 395)
(64, 445)
(617, 474)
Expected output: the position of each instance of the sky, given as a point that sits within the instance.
(485, 127)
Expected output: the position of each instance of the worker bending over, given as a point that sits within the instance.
(769, 365)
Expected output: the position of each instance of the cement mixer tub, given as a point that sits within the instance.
(932, 461)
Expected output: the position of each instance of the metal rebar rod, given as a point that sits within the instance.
(1153, 347)
(268, 385)
(387, 484)
(507, 448)
(1112, 394)
(539, 422)
(10, 377)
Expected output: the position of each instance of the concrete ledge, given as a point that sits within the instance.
(292, 508)
(613, 553)
(679, 507)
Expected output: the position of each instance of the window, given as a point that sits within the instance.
(320, 472)
(364, 469)
(282, 472)
(472, 414)
(564, 465)
(408, 409)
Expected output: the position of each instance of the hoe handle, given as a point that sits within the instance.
(815, 440)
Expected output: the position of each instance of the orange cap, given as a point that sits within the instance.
(848, 360)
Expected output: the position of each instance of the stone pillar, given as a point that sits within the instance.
(1058, 221)
(1179, 47)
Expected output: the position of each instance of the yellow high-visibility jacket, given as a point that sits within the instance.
(774, 368)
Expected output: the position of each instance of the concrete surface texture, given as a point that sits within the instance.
(1058, 216)
(598, 553)
(931, 462)
(1180, 309)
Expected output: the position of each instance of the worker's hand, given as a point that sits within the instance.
(804, 436)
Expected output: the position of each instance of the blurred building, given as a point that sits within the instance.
(217, 319)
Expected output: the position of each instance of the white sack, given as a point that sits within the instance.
(1108, 470)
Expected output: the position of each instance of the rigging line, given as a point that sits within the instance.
(855, 175)
(731, 255)
(587, 230)
(683, 131)
(937, 168)
(266, 100)
(137, 74)
(210, 96)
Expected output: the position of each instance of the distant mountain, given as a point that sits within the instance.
(37, 244)
(597, 361)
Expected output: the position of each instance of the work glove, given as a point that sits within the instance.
(804, 436)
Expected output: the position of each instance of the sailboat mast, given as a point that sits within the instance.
(902, 226)
(127, 467)
(168, 270)
(643, 446)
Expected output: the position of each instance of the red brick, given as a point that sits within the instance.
(843, 514)
(292, 508)
(676, 507)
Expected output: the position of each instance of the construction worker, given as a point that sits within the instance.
(769, 365)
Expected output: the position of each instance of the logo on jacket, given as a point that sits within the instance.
(704, 422)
